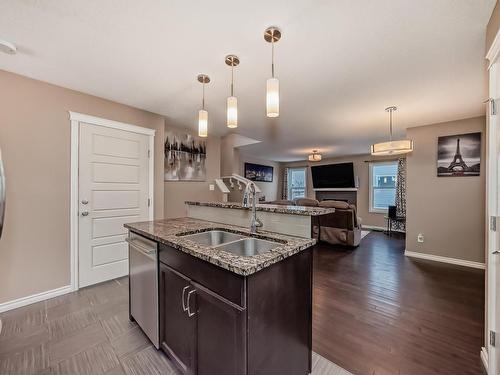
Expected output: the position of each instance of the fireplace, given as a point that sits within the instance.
(348, 195)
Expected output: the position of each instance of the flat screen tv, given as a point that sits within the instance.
(333, 176)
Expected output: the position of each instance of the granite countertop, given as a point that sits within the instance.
(276, 208)
(169, 231)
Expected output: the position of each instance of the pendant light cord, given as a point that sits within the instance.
(232, 78)
(272, 58)
(390, 125)
(203, 97)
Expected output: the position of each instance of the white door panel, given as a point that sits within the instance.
(111, 226)
(113, 190)
(122, 173)
(115, 199)
(109, 253)
(121, 147)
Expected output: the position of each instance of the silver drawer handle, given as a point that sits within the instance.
(85, 213)
(190, 314)
(184, 308)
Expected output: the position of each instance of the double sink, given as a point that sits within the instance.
(234, 243)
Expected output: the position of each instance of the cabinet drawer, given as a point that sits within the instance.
(225, 283)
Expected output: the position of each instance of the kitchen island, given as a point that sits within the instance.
(301, 221)
(230, 301)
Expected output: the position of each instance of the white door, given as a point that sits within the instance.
(113, 190)
(493, 201)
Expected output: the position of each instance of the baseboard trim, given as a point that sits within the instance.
(437, 258)
(484, 358)
(379, 229)
(28, 300)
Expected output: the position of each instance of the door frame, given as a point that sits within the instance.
(75, 120)
(488, 355)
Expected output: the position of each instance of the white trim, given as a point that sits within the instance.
(80, 117)
(381, 229)
(75, 119)
(484, 358)
(494, 50)
(73, 210)
(371, 164)
(289, 171)
(336, 189)
(23, 301)
(373, 227)
(437, 258)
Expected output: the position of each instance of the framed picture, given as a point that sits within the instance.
(258, 172)
(459, 155)
(185, 157)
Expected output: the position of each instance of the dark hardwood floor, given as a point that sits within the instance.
(376, 311)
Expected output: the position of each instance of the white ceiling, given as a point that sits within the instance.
(340, 63)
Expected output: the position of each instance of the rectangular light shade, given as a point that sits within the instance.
(202, 123)
(232, 112)
(273, 97)
(403, 146)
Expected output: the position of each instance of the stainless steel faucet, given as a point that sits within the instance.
(255, 223)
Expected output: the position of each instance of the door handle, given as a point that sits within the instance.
(496, 252)
(184, 308)
(85, 213)
(190, 314)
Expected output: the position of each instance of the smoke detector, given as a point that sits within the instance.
(7, 47)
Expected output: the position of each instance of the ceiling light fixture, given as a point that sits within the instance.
(202, 113)
(272, 35)
(8, 47)
(315, 156)
(232, 101)
(402, 146)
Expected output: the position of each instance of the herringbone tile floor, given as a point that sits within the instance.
(88, 333)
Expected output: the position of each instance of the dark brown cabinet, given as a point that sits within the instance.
(215, 322)
(220, 335)
(177, 328)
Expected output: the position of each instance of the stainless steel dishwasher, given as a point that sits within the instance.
(143, 281)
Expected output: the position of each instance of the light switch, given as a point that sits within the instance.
(211, 187)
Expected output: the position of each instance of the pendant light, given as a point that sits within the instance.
(403, 146)
(315, 156)
(232, 101)
(272, 35)
(202, 113)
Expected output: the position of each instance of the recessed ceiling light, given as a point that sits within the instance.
(7, 47)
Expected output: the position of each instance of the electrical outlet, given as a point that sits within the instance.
(420, 238)
(211, 187)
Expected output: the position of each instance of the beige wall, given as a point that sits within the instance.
(35, 142)
(230, 156)
(361, 171)
(448, 211)
(269, 189)
(177, 192)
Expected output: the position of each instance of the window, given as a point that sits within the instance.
(296, 183)
(383, 178)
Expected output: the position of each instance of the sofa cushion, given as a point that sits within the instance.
(306, 202)
(334, 204)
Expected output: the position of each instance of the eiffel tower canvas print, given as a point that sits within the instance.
(459, 155)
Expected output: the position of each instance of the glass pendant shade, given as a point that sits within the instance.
(315, 156)
(403, 146)
(232, 112)
(273, 97)
(202, 123)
